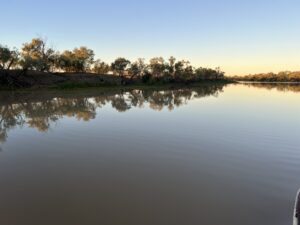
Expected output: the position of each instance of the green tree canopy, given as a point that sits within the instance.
(120, 65)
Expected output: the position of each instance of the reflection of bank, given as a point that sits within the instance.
(3, 136)
(41, 110)
(297, 209)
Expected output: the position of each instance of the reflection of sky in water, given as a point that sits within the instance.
(240, 104)
(236, 153)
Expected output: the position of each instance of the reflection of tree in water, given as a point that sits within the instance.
(10, 116)
(40, 115)
(40, 111)
(171, 99)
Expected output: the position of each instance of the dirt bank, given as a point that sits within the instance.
(16, 78)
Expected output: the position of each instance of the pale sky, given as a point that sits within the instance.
(240, 36)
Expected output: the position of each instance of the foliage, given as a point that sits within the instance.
(285, 76)
(37, 56)
(119, 66)
(78, 60)
(137, 69)
(100, 67)
(8, 57)
(157, 66)
(146, 77)
(208, 74)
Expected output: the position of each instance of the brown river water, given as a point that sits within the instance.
(209, 155)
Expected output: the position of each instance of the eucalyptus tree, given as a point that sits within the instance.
(84, 58)
(100, 67)
(171, 65)
(78, 60)
(119, 66)
(183, 71)
(157, 66)
(137, 68)
(36, 55)
(8, 57)
(209, 74)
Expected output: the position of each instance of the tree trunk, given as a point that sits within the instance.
(10, 64)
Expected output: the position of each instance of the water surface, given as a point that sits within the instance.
(208, 155)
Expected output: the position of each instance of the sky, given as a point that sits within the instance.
(240, 36)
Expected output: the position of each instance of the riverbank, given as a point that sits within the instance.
(35, 79)
(41, 80)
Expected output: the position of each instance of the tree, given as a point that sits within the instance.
(84, 58)
(78, 60)
(133, 71)
(138, 68)
(183, 71)
(101, 67)
(157, 66)
(219, 74)
(119, 66)
(171, 65)
(8, 57)
(179, 67)
(66, 61)
(209, 74)
(37, 56)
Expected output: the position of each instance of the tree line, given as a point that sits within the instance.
(38, 56)
(285, 76)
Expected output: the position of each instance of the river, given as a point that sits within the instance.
(215, 154)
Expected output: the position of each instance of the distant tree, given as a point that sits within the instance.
(189, 74)
(183, 71)
(142, 66)
(200, 73)
(219, 74)
(8, 57)
(119, 66)
(133, 71)
(66, 61)
(157, 66)
(180, 66)
(138, 68)
(84, 58)
(101, 67)
(209, 74)
(171, 66)
(284, 76)
(78, 60)
(37, 56)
